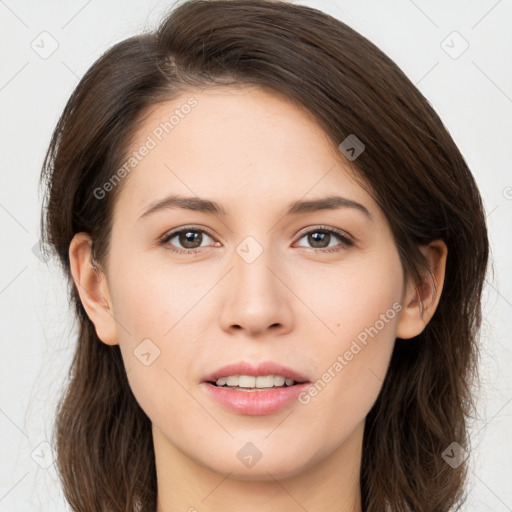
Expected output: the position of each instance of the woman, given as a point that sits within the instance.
(277, 255)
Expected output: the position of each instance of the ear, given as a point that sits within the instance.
(91, 284)
(421, 299)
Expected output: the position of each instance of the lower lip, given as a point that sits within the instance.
(255, 403)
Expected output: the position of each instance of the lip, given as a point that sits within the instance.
(255, 403)
(257, 370)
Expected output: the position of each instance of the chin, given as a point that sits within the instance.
(267, 468)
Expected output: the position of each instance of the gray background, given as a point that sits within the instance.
(471, 91)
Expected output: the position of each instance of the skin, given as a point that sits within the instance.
(254, 153)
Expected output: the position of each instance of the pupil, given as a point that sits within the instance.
(187, 239)
(318, 236)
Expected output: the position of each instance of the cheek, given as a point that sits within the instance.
(151, 299)
(163, 394)
(356, 297)
(352, 371)
(154, 312)
(156, 356)
(361, 308)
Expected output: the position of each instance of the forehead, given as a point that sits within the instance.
(244, 144)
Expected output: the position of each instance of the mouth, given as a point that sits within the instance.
(254, 383)
(244, 376)
(255, 390)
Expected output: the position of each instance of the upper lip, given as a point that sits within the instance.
(256, 370)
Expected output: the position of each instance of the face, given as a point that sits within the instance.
(316, 290)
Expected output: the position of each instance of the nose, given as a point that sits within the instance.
(257, 297)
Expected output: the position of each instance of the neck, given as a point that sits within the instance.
(330, 483)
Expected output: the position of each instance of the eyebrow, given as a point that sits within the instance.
(211, 207)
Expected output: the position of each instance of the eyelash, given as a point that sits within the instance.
(345, 239)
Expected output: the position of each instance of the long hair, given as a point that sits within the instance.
(411, 166)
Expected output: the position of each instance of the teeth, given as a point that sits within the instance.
(279, 381)
(232, 381)
(247, 381)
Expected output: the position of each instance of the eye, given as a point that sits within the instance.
(190, 239)
(321, 237)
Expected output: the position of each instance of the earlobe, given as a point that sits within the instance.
(420, 300)
(91, 284)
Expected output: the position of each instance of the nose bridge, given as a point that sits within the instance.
(256, 296)
(253, 260)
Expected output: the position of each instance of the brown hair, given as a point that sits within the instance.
(413, 169)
